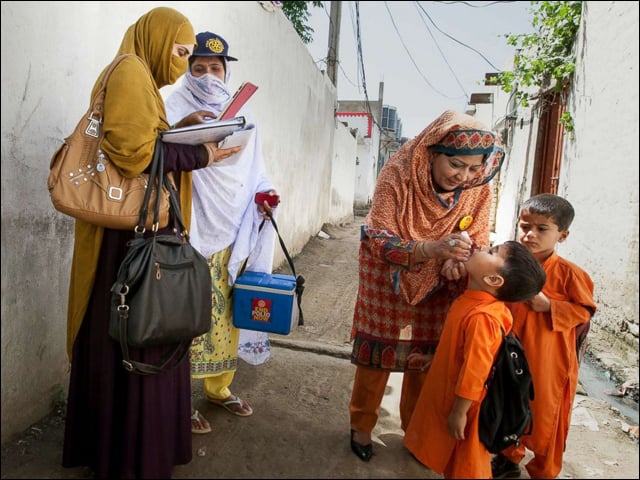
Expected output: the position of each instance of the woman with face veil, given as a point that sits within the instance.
(120, 424)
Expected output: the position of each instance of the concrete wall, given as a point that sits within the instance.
(366, 117)
(599, 169)
(343, 176)
(366, 171)
(599, 173)
(514, 179)
(52, 53)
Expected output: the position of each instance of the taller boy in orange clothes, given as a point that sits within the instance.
(443, 431)
(549, 327)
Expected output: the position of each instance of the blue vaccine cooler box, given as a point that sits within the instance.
(266, 302)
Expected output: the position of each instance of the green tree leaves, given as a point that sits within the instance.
(546, 58)
(298, 14)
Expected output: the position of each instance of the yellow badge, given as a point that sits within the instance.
(215, 45)
(466, 222)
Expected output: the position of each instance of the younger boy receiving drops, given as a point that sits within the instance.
(443, 431)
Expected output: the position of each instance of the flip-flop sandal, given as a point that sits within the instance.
(204, 427)
(227, 405)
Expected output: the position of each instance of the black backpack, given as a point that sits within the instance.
(505, 414)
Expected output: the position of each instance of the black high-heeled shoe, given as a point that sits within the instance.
(363, 452)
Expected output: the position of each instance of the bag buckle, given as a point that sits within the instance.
(128, 366)
(93, 129)
(115, 193)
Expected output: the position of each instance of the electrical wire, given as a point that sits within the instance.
(412, 60)
(475, 6)
(456, 40)
(444, 57)
(362, 71)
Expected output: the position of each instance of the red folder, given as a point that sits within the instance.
(246, 90)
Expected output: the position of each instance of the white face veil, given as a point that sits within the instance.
(207, 91)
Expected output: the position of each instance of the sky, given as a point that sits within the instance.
(424, 71)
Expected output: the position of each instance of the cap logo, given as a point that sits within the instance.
(215, 45)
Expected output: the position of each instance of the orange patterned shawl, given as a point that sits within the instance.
(406, 204)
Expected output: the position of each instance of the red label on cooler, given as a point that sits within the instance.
(260, 310)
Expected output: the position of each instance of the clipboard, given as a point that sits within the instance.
(244, 93)
(212, 131)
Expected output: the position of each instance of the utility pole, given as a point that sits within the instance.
(335, 16)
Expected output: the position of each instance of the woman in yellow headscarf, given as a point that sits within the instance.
(120, 424)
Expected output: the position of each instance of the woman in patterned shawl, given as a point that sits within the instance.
(412, 255)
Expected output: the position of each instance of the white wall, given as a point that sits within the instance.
(514, 179)
(343, 176)
(52, 53)
(599, 169)
(368, 139)
(599, 174)
(366, 171)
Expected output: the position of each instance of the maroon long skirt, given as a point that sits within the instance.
(123, 425)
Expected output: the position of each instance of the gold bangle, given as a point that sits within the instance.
(421, 249)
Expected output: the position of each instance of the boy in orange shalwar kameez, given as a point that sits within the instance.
(443, 431)
(548, 326)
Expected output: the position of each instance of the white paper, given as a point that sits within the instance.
(239, 138)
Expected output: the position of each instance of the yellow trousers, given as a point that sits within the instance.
(217, 386)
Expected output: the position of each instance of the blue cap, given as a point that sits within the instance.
(211, 45)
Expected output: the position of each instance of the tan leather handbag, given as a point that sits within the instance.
(86, 185)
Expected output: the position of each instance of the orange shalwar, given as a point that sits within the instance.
(468, 346)
(549, 340)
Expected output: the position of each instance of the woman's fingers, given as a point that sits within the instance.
(458, 243)
(456, 247)
(224, 153)
(453, 270)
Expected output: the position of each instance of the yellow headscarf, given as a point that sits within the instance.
(134, 117)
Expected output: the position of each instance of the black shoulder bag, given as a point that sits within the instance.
(162, 294)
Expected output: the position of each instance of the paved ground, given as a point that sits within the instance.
(300, 427)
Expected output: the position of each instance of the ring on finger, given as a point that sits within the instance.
(452, 243)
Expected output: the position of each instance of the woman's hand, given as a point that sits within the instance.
(453, 246)
(194, 118)
(265, 209)
(454, 249)
(219, 154)
(420, 360)
(453, 270)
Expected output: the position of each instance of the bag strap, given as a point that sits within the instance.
(171, 359)
(284, 248)
(299, 278)
(244, 264)
(155, 178)
(174, 201)
(158, 178)
(95, 115)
